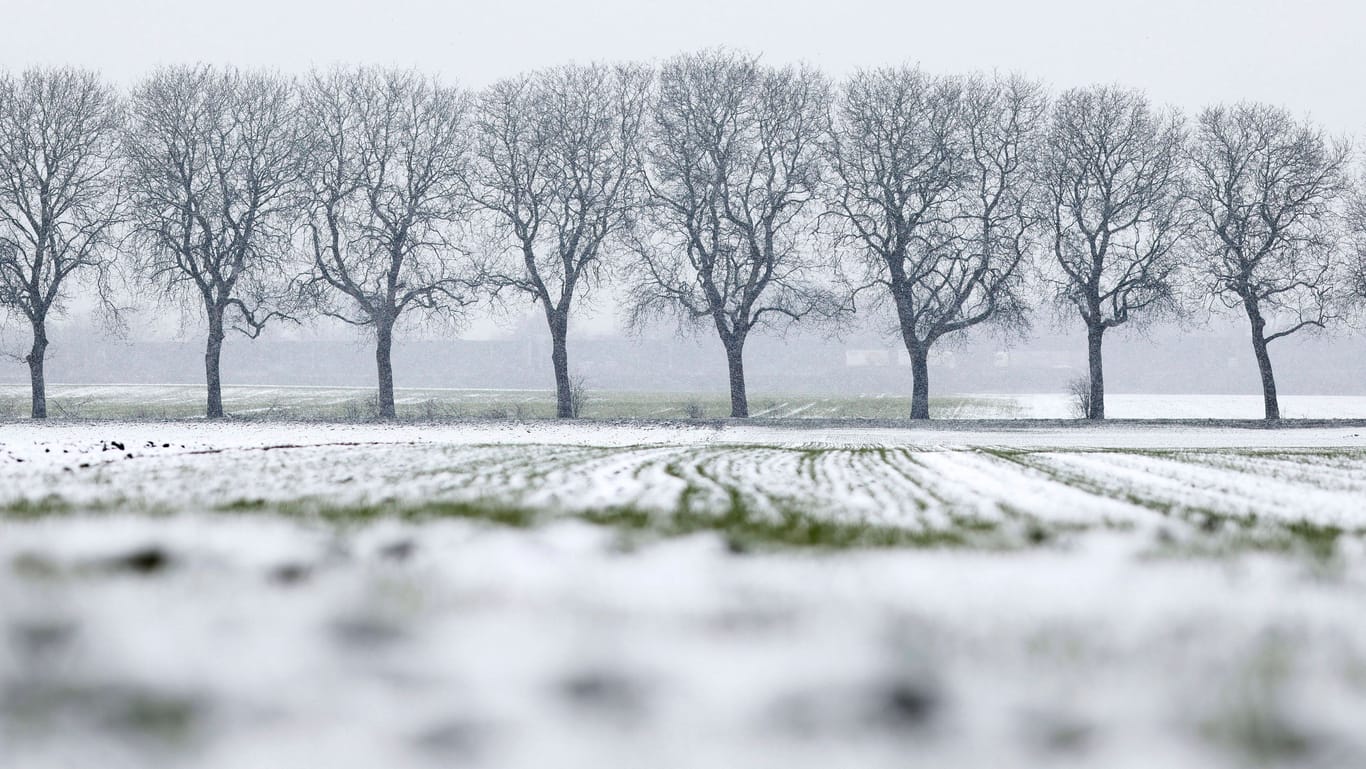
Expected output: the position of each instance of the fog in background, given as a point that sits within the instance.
(1305, 56)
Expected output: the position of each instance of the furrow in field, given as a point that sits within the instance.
(848, 485)
(768, 481)
(702, 490)
(868, 482)
(764, 481)
(913, 488)
(1177, 485)
(1343, 471)
(512, 472)
(991, 486)
(599, 478)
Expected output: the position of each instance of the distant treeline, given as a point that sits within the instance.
(712, 189)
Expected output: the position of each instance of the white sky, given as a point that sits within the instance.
(1305, 55)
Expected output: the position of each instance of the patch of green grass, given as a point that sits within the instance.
(243, 506)
(631, 519)
(128, 710)
(483, 510)
(743, 527)
(1252, 718)
(1318, 542)
(974, 524)
(31, 507)
(55, 504)
(247, 402)
(1321, 540)
(1211, 533)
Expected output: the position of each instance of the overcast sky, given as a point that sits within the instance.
(1307, 55)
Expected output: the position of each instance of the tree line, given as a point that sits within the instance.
(713, 189)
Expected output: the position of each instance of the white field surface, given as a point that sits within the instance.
(1180, 406)
(176, 401)
(273, 594)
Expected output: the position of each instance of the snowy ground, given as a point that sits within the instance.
(123, 401)
(1148, 406)
(613, 595)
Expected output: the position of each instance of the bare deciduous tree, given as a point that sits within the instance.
(558, 177)
(733, 162)
(59, 196)
(212, 159)
(1110, 172)
(1270, 191)
(931, 188)
(388, 150)
(1355, 278)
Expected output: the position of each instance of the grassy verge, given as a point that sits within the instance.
(739, 524)
(147, 402)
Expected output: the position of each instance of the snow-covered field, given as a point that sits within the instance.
(176, 401)
(1149, 406)
(503, 594)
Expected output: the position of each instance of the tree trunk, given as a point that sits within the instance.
(213, 351)
(920, 381)
(559, 358)
(384, 346)
(1269, 399)
(735, 360)
(35, 369)
(1096, 407)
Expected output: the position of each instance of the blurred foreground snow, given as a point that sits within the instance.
(142, 625)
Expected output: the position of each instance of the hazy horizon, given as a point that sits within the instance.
(1179, 53)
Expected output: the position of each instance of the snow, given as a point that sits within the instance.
(1159, 406)
(145, 627)
(146, 401)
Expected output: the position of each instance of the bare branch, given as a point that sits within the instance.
(930, 191)
(212, 160)
(59, 196)
(733, 164)
(558, 180)
(387, 153)
(1270, 193)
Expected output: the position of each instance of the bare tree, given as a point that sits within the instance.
(558, 177)
(59, 196)
(733, 162)
(212, 158)
(1111, 176)
(383, 192)
(931, 188)
(1270, 191)
(1355, 278)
